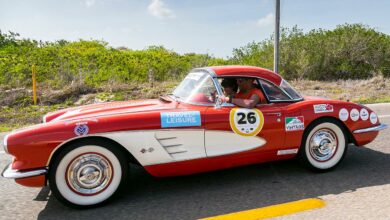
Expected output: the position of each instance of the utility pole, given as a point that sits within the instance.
(276, 37)
(34, 84)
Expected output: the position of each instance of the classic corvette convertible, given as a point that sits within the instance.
(84, 153)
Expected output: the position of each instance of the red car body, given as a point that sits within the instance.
(169, 151)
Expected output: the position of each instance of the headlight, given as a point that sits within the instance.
(44, 118)
(5, 144)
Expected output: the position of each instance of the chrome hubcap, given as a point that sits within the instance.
(89, 174)
(323, 145)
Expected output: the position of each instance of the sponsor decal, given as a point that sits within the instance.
(295, 123)
(180, 119)
(373, 118)
(354, 114)
(343, 114)
(364, 114)
(246, 122)
(323, 108)
(81, 129)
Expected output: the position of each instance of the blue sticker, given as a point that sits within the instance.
(180, 119)
(81, 129)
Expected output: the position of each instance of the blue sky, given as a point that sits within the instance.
(201, 26)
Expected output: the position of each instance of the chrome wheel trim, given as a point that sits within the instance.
(323, 145)
(70, 195)
(89, 174)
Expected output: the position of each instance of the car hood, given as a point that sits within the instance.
(110, 108)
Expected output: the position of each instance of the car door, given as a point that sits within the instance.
(231, 129)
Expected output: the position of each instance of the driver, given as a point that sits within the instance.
(248, 96)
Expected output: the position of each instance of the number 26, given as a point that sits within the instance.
(244, 119)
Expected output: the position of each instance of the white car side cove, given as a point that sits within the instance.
(173, 145)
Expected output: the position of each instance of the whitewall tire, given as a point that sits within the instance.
(324, 145)
(87, 173)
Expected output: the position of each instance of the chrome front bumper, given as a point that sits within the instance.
(376, 128)
(9, 173)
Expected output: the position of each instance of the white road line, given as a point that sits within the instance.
(384, 116)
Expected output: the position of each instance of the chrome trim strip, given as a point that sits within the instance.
(217, 86)
(376, 128)
(287, 151)
(214, 77)
(9, 173)
(210, 71)
(286, 101)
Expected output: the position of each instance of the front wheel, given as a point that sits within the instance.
(87, 173)
(324, 145)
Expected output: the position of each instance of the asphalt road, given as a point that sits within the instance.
(358, 189)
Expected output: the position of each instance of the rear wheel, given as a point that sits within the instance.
(324, 145)
(87, 173)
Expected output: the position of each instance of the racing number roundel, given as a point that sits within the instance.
(246, 122)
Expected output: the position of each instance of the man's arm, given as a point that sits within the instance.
(246, 103)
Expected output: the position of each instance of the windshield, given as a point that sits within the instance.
(197, 87)
(286, 86)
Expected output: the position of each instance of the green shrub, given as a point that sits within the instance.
(350, 51)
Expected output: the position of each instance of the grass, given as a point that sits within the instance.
(16, 117)
(375, 90)
(17, 109)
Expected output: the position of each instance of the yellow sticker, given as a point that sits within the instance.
(246, 122)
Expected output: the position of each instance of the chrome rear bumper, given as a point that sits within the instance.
(376, 128)
(9, 173)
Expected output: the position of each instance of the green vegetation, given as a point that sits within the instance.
(15, 117)
(348, 52)
(92, 63)
(16, 109)
(75, 73)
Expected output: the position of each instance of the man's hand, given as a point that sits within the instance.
(223, 98)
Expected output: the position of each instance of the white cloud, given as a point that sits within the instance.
(90, 3)
(266, 21)
(158, 9)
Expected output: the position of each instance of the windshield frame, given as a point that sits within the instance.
(213, 78)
